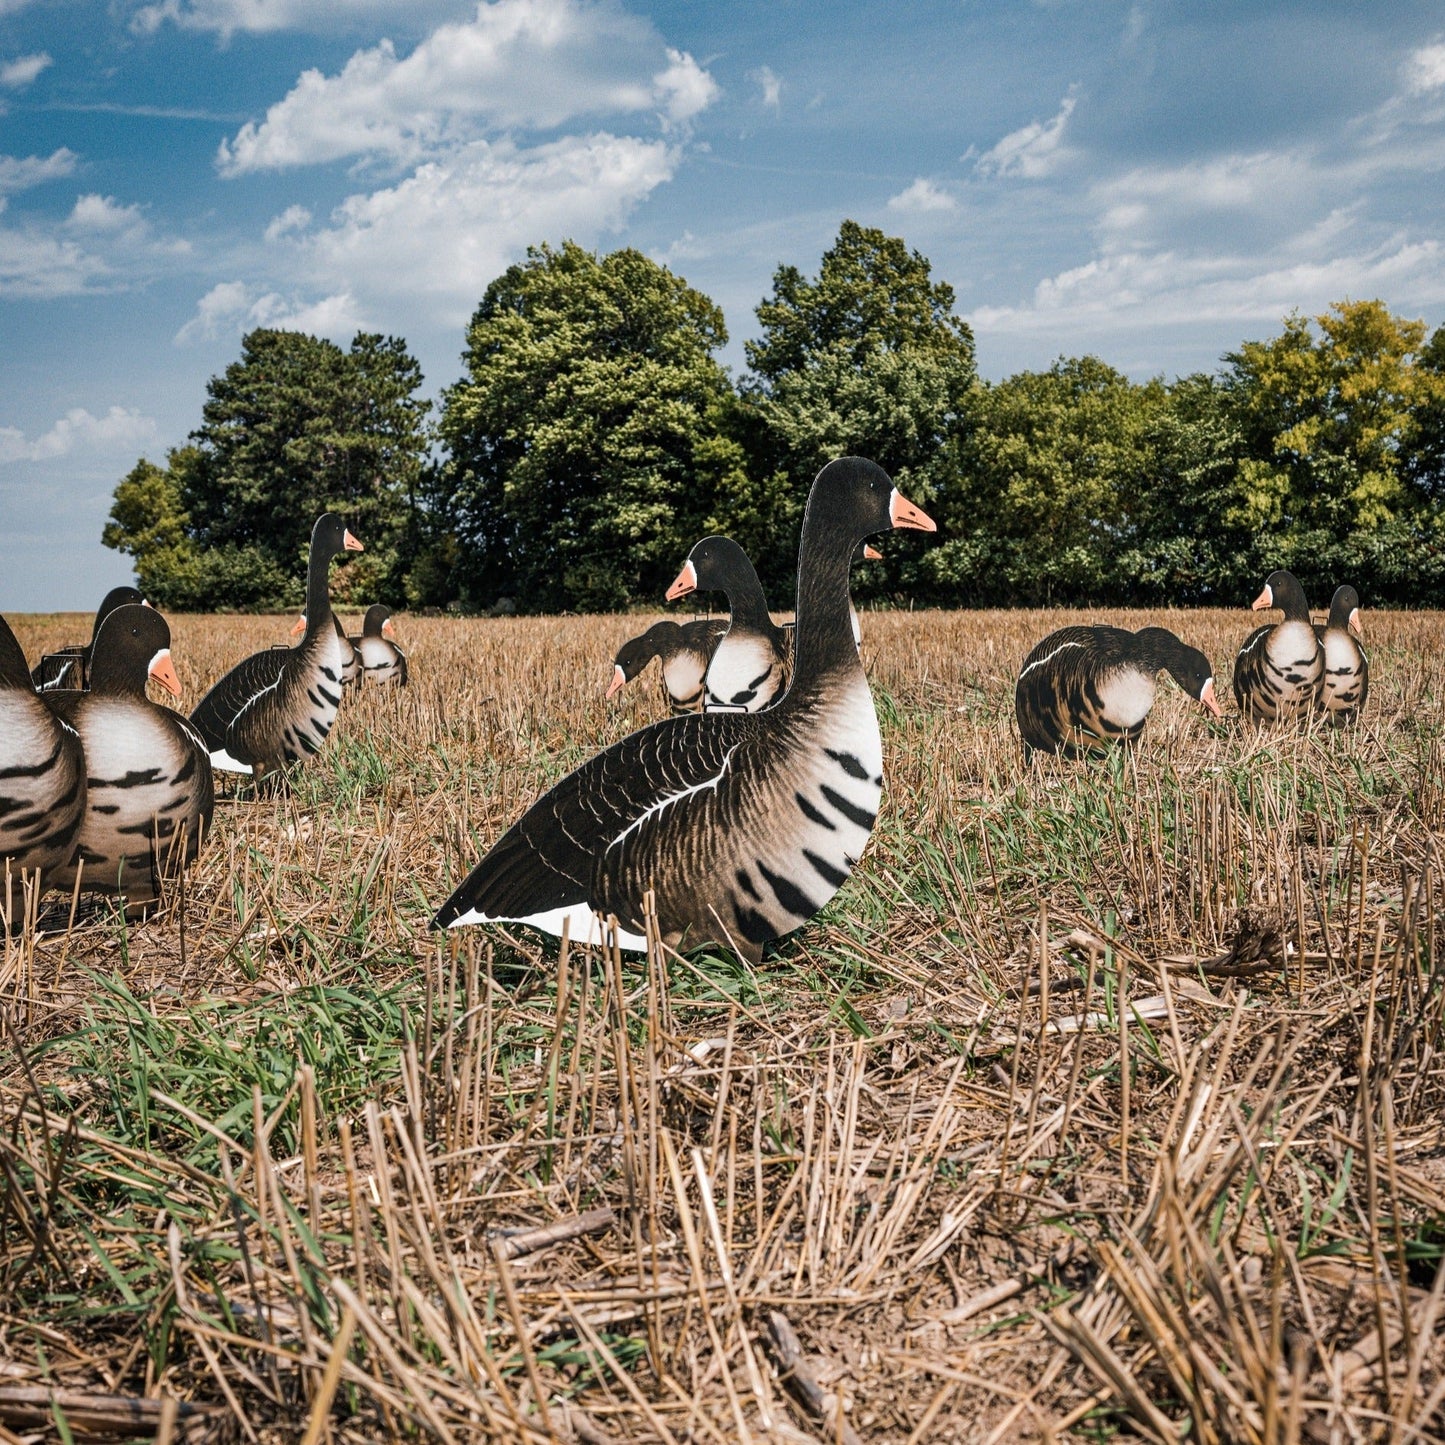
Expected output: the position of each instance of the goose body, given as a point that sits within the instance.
(1083, 689)
(742, 824)
(1279, 672)
(749, 665)
(1347, 669)
(276, 707)
(42, 772)
(149, 789)
(70, 666)
(685, 649)
(380, 659)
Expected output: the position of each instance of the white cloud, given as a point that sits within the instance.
(120, 430)
(233, 307)
(1033, 151)
(293, 218)
(769, 84)
(19, 174)
(106, 214)
(226, 17)
(1425, 69)
(14, 74)
(922, 195)
(517, 63)
(36, 265)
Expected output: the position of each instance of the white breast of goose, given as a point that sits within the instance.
(1126, 695)
(1343, 660)
(682, 675)
(744, 674)
(35, 783)
(378, 659)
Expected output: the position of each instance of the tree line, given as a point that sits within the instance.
(594, 436)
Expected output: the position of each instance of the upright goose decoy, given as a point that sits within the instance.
(1347, 669)
(749, 666)
(277, 706)
(381, 659)
(1281, 667)
(742, 824)
(70, 666)
(42, 773)
(1083, 689)
(685, 648)
(149, 790)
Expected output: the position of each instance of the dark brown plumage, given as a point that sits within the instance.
(1280, 669)
(685, 648)
(1346, 686)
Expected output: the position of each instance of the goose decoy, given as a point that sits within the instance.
(350, 657)
(743, 825)
(1281, 667)
(149, 790)
(685, 648)
(1083, 689)
(1347, 669)
(749, 665)
(380, 658)
(42, 773)
(69, 667)
(277, 706)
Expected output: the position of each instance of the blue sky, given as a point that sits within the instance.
(1150, 182)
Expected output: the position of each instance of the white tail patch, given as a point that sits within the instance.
(583, 926)
(220, 758)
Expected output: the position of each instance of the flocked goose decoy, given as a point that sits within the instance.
(381, 659)
(1281, 667)
(277, 706)
(149, 790)
(1084, 688)
(70, 666)
(42, 773)
(743, 824)
(1347, 669)
(685, 648)
(749, 666)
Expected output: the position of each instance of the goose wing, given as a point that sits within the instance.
(545, 860)
(1251, 666)
(216, 711)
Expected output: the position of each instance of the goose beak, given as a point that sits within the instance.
(871, 553)
(387, 630)
(144, 603)
(1356, 626)
(903, 513)
(1206, 696)
(164, 672)
(1265, 599)
(300, 625)
(619, 680)
(686, 582)
(350, 543)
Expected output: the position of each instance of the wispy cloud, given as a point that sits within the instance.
(1033, 151)
(770, 85)
(120, 430)
(233, 307)
(19, 173)
(922, 196)
(227, 17)
(20, 72)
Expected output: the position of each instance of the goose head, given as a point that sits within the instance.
(636, 653)
(134, 643)
(855, 498)
(377, 622)
(1345, 611)
(1283, 591)
(330, 537)
(713, 565)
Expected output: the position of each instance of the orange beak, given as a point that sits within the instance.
(905, 514)
(300, 625)
(1265, 599)
(871, 553)
(1356, 626)
(686, 582)
(619, 680)
(164, 672)
(1206, 696)
(387, 630)
(351, 544)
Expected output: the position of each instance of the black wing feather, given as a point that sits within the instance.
(217, 710)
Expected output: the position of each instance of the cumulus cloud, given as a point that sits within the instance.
(17, 73)
(1033, 151)
(19, 173)
(106, 214)
(517, 63)
(921, 196)
(293, 218)
(233, 307)
(36, 265)
(1425, 69)
(769, 84)
(120, 430)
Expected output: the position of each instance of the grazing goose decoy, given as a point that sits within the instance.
(1083, 689)
(381, 659)
(685, 648)
(1281, 667)
(277, 706)
(149, 790)
(742, 824)
(42, 773)
(69, 667)
(1347, 669)
(749, 666)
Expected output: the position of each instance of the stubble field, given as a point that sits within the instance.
(1106, 1100)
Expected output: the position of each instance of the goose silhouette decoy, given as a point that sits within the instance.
(1281, 667)
(1083, 689)
(42, 773)
(69, 667)
(149, 790)
(685, 648)
(743, 825)
(749, 665)
(1347, 668)
(277, 706)
(381, 659)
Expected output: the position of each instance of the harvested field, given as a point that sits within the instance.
(1106, 1100)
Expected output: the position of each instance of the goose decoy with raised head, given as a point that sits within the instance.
(1347, 669)
(749, 665)
(69, 667)
(742, 825)
(149, 791)
(1281, 667)
(381, 659)
(42, 773)
(277, 706)
(685, 648)
(1083, 689)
